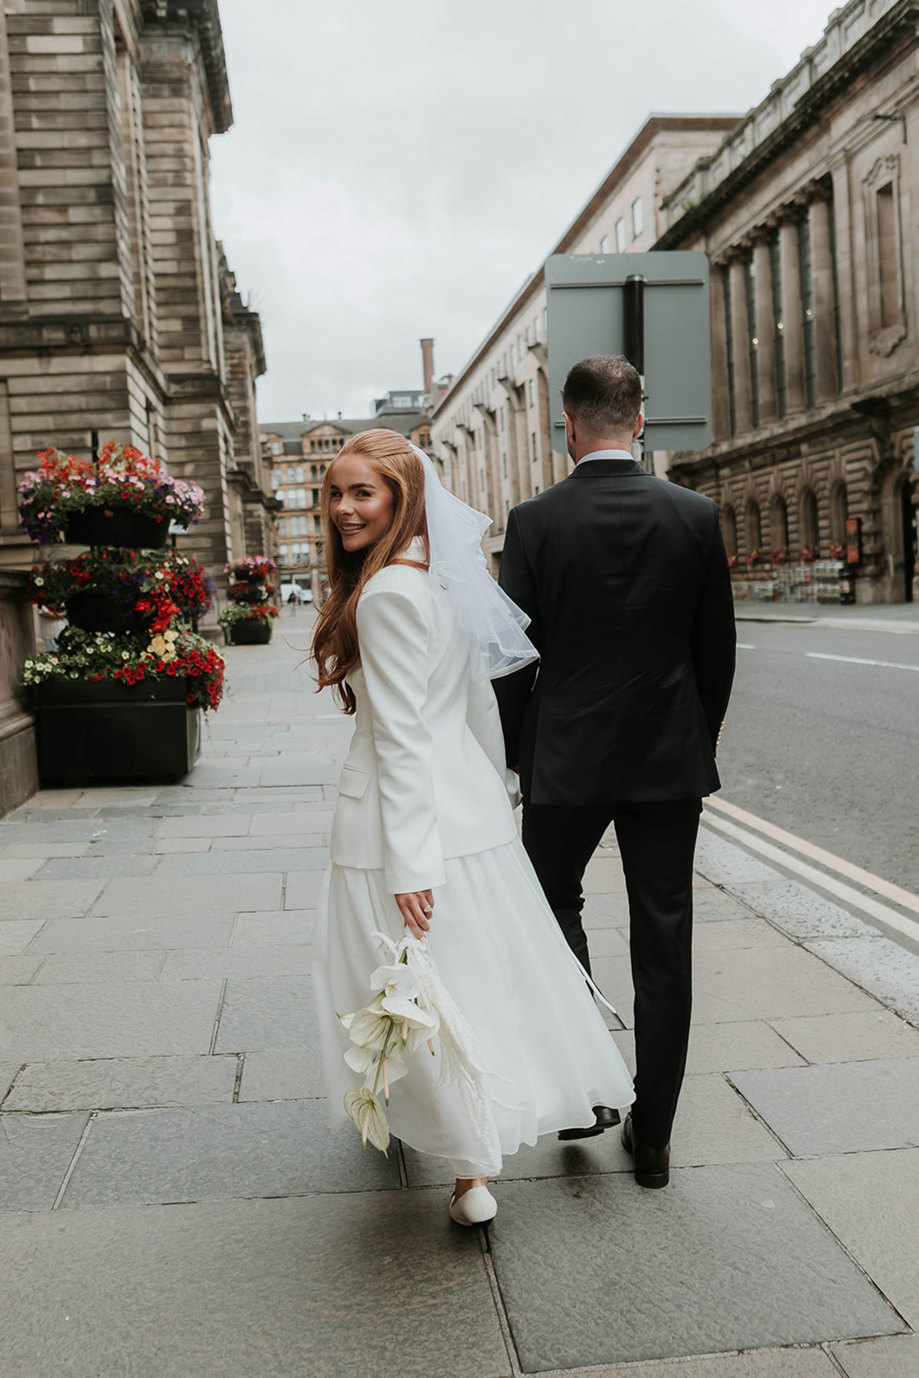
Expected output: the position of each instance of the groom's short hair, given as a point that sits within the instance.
(603, 394)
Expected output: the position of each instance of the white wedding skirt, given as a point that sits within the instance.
(499, 952)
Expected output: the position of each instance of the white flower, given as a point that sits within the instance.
(369, 1116)
(369, 1028)
(395, 980)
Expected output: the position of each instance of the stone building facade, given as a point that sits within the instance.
(118, 313)
(808, 212)
(491, 433)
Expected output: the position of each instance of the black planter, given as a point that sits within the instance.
(113, 731)
(95, 611)
(251, 631)
(98, 526)
(251, 593)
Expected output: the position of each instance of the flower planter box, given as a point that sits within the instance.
(98, 526)
(251, 631)
(113, 731)
(93, 611)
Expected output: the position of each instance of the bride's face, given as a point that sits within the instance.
(360, 502)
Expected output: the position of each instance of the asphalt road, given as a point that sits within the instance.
(829, 749)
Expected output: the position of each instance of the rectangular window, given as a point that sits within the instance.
(752, 341)
(620, 236)
(808, 323)
(535, 452)
(887, 256)
(729, 346)
(778, 335)
(604, 244)
(637, 218)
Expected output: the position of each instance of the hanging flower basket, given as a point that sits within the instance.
(94, 610)
(110, 527)
(250, 633)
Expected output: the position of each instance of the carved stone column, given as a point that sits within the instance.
(740, 333)
(791, 315)
(721, 413)
(765, 331)
(819, 213)
(842, 222)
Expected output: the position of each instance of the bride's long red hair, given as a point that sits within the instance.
(335, 649)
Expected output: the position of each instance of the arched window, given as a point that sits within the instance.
(808, 524)
(754, 531)
(314, 471)
(729, 530)
(299, 473)
(839, 511)
(778, 528)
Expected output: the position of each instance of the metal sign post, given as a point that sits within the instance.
(654, 309)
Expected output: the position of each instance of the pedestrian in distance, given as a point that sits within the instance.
(626, 582)
(424, 839)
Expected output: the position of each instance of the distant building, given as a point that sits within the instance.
(299, 452)
(491, 431)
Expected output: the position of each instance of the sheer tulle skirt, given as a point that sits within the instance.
(499, 952)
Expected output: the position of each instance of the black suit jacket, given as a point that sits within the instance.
(626, 580)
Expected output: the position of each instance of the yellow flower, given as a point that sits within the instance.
(158, 645)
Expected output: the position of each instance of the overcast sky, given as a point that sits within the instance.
(397, 170)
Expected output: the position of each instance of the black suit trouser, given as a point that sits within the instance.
(657, 846)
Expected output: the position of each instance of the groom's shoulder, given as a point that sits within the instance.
(534, 508)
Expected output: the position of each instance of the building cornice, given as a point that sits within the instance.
(203, 18)
(791, 108)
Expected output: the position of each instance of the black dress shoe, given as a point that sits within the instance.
(652, 1165)
(605, 1117)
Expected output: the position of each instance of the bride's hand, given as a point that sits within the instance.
(416, 908)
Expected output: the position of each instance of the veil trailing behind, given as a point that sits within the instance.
(496, 627)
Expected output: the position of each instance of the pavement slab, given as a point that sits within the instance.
(123, 1083)
(71, 968)
(273, 1289)
(267, 1012)
(129, 933)
(768, 983)
(18, 971)
(16, 934)
(811, 1362)
(838, 1107)
(35, 1152)
(242, 861)
(47, 899)
(286, 926)
(303, 890)
(8, 1073)
(888, 971)
(48, 1023)
(727, 1048)
(850, 1037)
(282, 1074)
(896, 1356)
(871, 1203)
(619, 1284)
(250, 960)
(278, 1148)
(192, 895)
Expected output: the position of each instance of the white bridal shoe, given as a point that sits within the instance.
(475, 1207)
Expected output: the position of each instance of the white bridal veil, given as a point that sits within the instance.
(495, 625)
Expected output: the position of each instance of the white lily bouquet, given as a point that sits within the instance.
(411, 1009)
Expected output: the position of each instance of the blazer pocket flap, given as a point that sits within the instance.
(353, 782)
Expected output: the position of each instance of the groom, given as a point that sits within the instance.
(626, 580)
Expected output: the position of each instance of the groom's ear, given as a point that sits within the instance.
(639, 425)
(569, 429)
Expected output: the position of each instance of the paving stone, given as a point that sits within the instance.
(86, 867)
(166, 845)
(284, 927)
(316, 773)
(283, 842)
(211, 773)
(52, 799)
(888, 971)
(726, 1048)
(871, 1203)
(16, 934)
(245, 960)
(44, 850)
(122, 1083)
(19, 868)
(35, 1152)
(73, 968)
(45, 1023)
(241, 861)
(315, 1286)
(896, 1356)
(605, 911)
(192, 895)
(799, 912)
(226, 825)
(603, 876)
(117, 934)
(758, 1363)
(850, 1037)
(768, 983)
(748, 932)
(275, 1148)
(18, 971)
(738, 1234)
(271, 823)
(271, 1012)
(47, 899)
(303, 890)
(120, 797)
(717, 906)
(8, 1073)
(839, 1107)
(282, 1074)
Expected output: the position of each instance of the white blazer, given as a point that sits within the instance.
(425, 776)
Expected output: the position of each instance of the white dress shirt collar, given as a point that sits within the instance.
(606, 454)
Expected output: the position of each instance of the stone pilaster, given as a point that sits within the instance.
(721, 411)
(740, 332)
(791, 314)
(765, 331)
(819, 213)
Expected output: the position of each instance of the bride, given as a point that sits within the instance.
(424, 838)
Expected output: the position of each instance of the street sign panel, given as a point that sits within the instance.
(587, 298)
